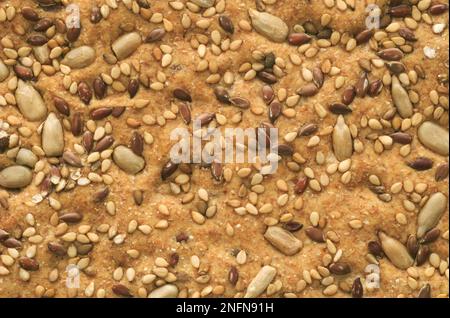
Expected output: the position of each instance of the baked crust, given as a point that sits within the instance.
(346, 207)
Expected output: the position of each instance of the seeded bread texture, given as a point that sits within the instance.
(338, 212)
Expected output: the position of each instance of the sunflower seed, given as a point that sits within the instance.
(269, 25)
(283, 240)
(395, 251)
(434, 137)
(127, 160)
(79, 57)
(431, 213)
(260, 282)
(14, 177)
(401, 98)
(421, 164)
(52, 136)
(84, 92)
(61, 105)
(125, 45)
(30, 102)
(226, 24)
(166, 291)
(342, 140)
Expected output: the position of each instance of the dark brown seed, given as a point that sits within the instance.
(217, 170)
(274, 111)
(425, 292)
(307, 130)
(348, 95)
(422, 255)
(83, 249)
(222, 95)
(77, 124)
(37, 39)
(401, 138)
(185, 113)
(174, 259)
(340, 268)
(22, 72)
(84, 92)
(71, 159)
(268, 94)
(121, 290)
(298, 38)
(61, 105)
(12, 243)
(104, 143)
(143, 4)
(133, 87)
(324, 34)
(29, 14)
(292, 226)
(96, 15)
(182, 94)
(301, 185)
(431, 236)
(168, 169)
(308, 90)
(101, 195)
(421, 164)
(438, 8)
(269, 61)
(43, 24)
(267, 77)
(377, 189)
(137, 143)
(233, 275)
(117, 111)
(99, 87)
(420, 71)
(4, 144)
(71, 217)
(100, 113)
(73, 34)
(318, 77)
(88, 141)
(315, 234)
(29, 264)
(226, 24)
(392, 54)
(375, 249)
(363, 36)
(412, 245)
(3, 235)
(339, 109)
(362, 85)
(182, 237)
(206, 118)
(56, 248)
(396, 67)
(155, 35)
(375, 88)
(407, 34)
(285, 150)
(400, 11)
(441, 172)
(357, 288)
(138, 196)
(240, 102)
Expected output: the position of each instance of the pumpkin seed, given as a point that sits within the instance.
(434, 137)
(260, 282)
(283, 240)
(395, 251)
(125, 45)
(14, 177)
(166, 291)
(342, 140)
(30, 102)
(401, 99)
(127, 160)
(79, 57)
(431, 213)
